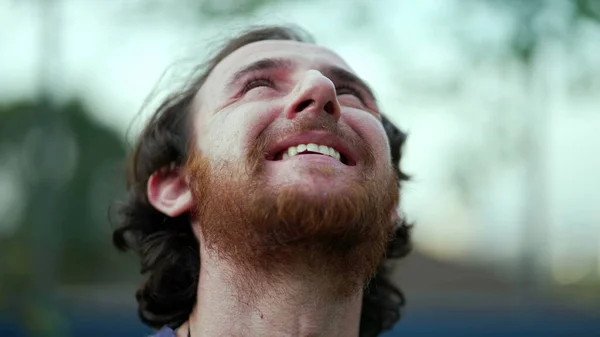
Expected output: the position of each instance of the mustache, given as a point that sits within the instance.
(317, 124)
(270, 136)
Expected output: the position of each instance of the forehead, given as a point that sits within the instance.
(303, 55)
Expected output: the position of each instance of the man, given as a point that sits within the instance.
(263, 198)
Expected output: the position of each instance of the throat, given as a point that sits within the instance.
(290, 305)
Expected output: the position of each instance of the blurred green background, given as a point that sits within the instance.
(501, 100)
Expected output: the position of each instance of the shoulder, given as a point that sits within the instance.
(164, 332)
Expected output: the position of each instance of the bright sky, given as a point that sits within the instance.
(463, 117)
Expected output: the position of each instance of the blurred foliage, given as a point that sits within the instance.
(529, 30)
(507, 134)
(588, 9)
(89, 179)
(213, 9)
(217, 8)
(62, 236)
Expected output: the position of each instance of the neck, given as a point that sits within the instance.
(288, 305)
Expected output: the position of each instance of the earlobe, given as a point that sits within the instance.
(395, 216)
(169, 193)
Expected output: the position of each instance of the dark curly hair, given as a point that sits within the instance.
(167, 247)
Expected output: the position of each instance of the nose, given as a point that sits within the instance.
(314, 94)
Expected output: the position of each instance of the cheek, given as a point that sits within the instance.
(232, 132)
(218, 139)
(371, 130)
(252, 119)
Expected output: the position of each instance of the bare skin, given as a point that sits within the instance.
(289, 309)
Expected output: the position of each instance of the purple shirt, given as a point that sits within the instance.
(164, 332)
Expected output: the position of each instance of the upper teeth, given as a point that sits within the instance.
(326, 150)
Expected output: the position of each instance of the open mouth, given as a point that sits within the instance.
(311, 148)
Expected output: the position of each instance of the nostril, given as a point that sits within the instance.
(303, 105)
(329, 108)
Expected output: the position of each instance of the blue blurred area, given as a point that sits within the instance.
(419, 324)
(457, 319)
(526, 322)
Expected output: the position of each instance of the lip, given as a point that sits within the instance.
(316, 137)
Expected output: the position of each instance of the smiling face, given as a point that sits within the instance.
(291, 165)
(277, 106)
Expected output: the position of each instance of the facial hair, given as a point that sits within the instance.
(268, 233)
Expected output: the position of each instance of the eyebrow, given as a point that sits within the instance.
(342, 75)
(260, 65)
(337, 74)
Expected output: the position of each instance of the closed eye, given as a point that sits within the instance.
(257, 82)
(349, 90)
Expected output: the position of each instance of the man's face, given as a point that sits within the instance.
(279, 97)
(291, 164)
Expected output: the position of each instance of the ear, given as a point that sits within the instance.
(169, 193)
(395, 216)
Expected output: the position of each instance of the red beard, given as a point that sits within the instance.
(267, 233)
